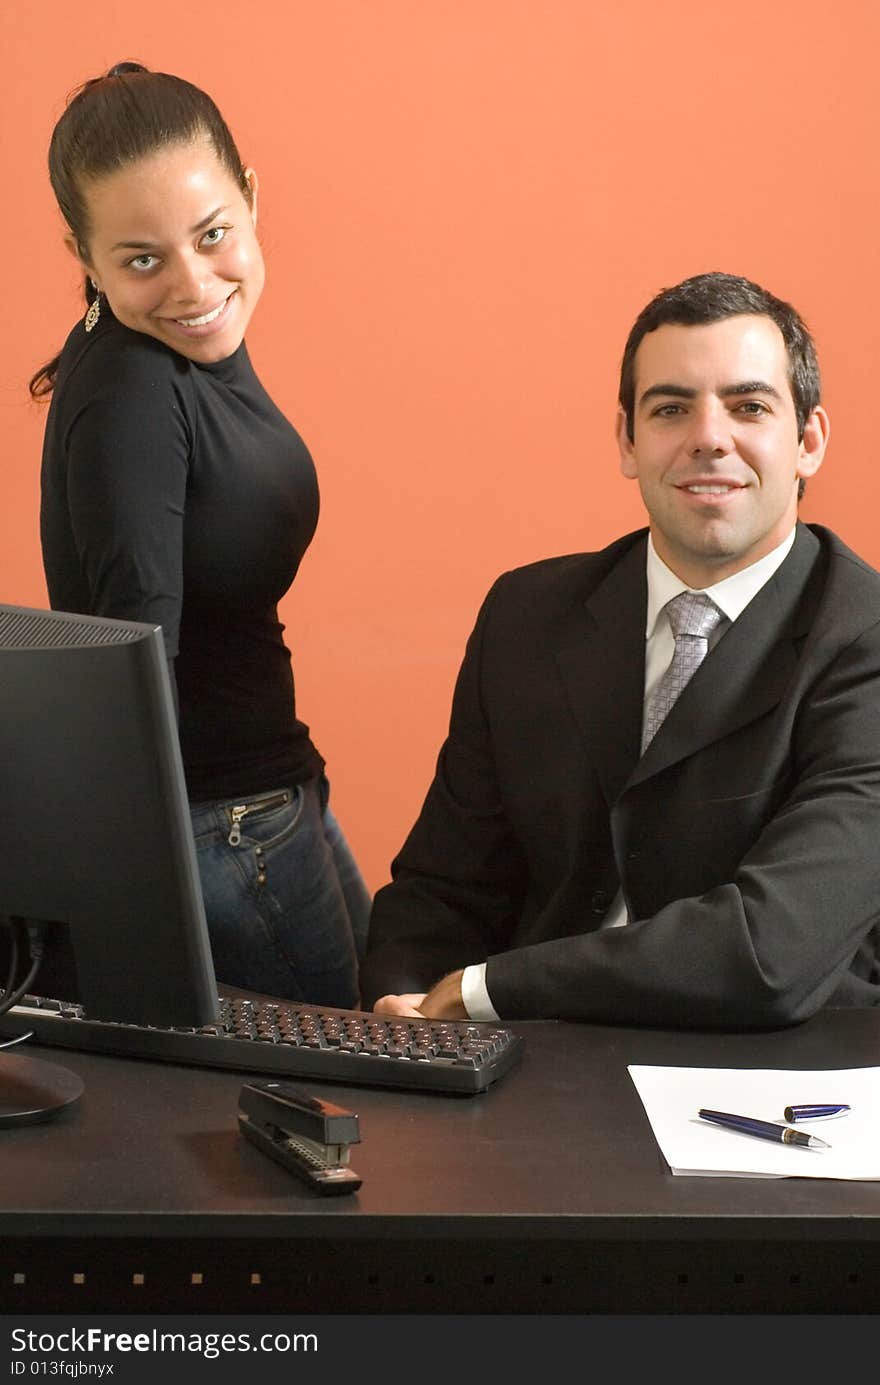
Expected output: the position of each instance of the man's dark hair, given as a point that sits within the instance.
(709, 298)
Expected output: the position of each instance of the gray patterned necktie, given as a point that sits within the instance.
(693, 616)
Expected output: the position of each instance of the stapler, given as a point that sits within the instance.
(308, 1136)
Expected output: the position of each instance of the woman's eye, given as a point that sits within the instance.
(142, 262)
(214, 236)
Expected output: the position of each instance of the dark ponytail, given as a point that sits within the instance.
(115, 120)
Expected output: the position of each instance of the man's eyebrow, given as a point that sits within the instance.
(751, 387)
(671, 391)
(151, 245)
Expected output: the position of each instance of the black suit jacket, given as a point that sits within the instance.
(745, 840)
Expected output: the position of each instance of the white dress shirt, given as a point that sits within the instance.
(731, 597)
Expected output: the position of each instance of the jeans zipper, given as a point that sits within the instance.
(241, 810)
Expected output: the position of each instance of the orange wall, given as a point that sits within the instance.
(464, 203)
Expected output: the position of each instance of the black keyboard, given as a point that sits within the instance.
(281, 1038)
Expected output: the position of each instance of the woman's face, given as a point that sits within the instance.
(173, 247)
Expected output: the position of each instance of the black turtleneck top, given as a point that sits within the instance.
(178, 494)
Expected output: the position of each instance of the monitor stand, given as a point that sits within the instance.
(31, 1090)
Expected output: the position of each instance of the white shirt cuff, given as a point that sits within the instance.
(475, 995)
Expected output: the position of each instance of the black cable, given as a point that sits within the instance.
(36, 934)
(15, 931)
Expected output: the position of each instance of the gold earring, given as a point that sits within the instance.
(94, 312)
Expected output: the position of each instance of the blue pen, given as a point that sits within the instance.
(765, 1130)
(815, 1112)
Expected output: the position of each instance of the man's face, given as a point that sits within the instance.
(716, 451)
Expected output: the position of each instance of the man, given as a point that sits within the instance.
(592, 848)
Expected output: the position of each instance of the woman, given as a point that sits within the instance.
(174, 492)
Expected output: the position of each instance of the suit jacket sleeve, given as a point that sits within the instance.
(458, 881)
(795, 929)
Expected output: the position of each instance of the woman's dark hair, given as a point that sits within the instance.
(115, 120)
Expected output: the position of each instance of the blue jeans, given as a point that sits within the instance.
(286, 905)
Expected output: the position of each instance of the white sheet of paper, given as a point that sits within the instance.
(673, 1096)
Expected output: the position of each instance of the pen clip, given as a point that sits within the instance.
(814, 1111)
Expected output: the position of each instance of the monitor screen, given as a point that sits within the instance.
(95, 833)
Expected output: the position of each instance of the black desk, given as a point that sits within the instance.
(547, 1194)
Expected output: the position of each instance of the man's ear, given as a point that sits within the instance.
(625, 448)
(250, 177)
(814, 442)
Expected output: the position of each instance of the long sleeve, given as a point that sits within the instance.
(459, 878)
(794, 928)
(126, 444)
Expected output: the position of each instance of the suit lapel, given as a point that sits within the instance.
(747, 671)
(603, 669)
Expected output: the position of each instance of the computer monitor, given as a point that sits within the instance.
(95, 834)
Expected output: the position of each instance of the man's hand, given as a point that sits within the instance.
(400, 1005)
(443, 1001)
